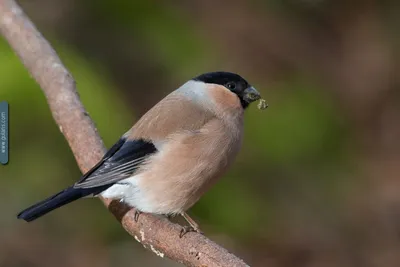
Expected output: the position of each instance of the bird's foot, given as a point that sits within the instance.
(194, 227)
(187, 228)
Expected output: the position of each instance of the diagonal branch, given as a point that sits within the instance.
(155, 233)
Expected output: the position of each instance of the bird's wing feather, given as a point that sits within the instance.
(120, 162)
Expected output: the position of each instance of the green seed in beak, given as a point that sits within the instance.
(262, 104)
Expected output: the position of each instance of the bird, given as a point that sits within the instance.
(173, 154)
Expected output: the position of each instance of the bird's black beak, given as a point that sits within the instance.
(250, 94)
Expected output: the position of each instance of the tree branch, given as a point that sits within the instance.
(155, 233)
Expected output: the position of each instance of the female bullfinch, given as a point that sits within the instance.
(173, 154)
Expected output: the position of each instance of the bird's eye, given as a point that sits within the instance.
(231, 85)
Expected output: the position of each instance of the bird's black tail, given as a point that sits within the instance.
(60, 199)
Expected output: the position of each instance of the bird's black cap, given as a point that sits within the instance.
(221, 78)
(231, 81)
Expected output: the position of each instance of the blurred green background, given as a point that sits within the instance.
(317, 181)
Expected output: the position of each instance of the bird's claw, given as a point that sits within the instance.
(137, 214)
(186, 229)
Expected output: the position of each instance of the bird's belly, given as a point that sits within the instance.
(174, 182)
(169, 193)
(174, 179)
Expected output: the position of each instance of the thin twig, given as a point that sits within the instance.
(155, 233)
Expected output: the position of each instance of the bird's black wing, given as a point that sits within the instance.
(120, 162)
